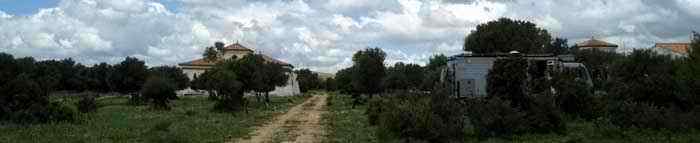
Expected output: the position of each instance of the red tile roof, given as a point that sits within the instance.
(595, 43)
(681, 48)
(236, 47)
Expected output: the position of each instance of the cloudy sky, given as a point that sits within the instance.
(317, 34)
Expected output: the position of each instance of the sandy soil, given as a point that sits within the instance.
(301, 124)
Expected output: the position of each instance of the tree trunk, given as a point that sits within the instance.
(267, 97)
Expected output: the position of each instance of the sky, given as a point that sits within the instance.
(320, 35)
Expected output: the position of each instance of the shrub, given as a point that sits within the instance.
(496, 117)
(87, 104)
(575, 97)
(417, 117)
(24, 101)
(159, 91)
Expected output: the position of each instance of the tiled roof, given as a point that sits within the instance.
(681, 48)
(236, 47)
(595, 43)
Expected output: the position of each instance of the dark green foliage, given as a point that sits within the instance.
(559, 46)
(645, 76)
(600, 65)
(259, 75)
(130, 75)
(368, 70)
(172, 73)
(689, 70)
(507, 80)
(87, 104)
(224, 85)
(495, 117)
(432, 72)
(505, 35)
(210, 54)
(404, 77)
(22, 100)
(308, 80)
(645, 115)
(575, 97)
(159, 91)
(343, 80)
(412, 116)
(330, 84)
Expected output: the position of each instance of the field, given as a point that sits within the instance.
(350, 125)
(190, 120)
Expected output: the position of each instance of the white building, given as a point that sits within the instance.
(197, 67)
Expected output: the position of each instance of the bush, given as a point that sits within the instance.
(159, 91)
(645, 115)
(24, 101)
(87, 104)
(496, 117)
(575, 97)
(417, 117)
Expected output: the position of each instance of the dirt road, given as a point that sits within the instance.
(301, 124)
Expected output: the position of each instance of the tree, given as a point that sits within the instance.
(433, 71)
(329, 84)
(343, 79)
(506, 80)
(505, 35)
(558, 46)
(172, 73)
(404, 76)
(210, 54)
(131, 74)
(368, 68)
(308, 80)
(646, 76)
(600, 65)
(274, 75)
(689, 69)
(159, 91)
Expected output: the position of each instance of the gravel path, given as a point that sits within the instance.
(301, 124)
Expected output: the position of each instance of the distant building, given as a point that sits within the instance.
(197, 67)
(596, 44)
(673, 49)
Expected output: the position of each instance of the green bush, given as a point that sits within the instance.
(87, 104)
(411, 116)
(496, 117)
(23, 100)
(159, 91)
(645, 115)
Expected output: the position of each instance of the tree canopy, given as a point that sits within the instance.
(369, 69)
(505, 35)
(308, 80)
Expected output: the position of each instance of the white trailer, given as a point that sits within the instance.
(466, 73)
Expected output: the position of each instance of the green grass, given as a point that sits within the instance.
(347, 125)
(190, 120)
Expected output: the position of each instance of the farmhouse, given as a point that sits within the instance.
(673, 49)
(197, 67)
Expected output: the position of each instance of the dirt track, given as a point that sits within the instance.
(301, 124)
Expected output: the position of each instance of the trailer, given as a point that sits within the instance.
(467, 73)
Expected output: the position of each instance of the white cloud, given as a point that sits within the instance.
(321, 35)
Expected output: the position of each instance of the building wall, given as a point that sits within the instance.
(190, 72)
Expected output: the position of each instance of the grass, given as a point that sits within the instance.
(347, 125)
(350, 125)
(190, 120)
